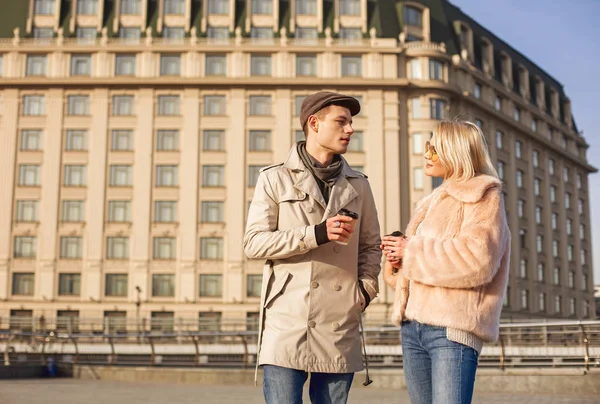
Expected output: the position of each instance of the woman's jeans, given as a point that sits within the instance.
(284, 386)
(437, 370)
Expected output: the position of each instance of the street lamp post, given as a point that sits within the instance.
(138, 303)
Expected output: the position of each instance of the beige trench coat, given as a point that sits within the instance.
(310, 300)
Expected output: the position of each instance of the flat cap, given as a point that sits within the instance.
(317, 101)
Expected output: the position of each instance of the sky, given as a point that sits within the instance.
(561, 38)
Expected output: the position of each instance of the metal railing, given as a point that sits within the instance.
(223, 342)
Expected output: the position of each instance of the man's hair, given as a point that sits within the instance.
(320, 114)
(463, 150)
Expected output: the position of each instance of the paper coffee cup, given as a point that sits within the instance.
(354, 216)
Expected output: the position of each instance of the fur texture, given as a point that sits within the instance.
(455, 271)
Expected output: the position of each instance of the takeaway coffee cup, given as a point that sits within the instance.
(354, 216)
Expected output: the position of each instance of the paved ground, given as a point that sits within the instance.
(69, 391)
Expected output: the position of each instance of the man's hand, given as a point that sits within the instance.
(339, 228)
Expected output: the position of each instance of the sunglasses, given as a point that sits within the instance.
(429, 148)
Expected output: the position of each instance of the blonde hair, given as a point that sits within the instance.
(463, 150)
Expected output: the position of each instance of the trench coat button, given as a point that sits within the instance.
(336, 249)
(311, 209)
(312, 324)
(337, 287)
(314, 284)
(335, 325)
(302, 244)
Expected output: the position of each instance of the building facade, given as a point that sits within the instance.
(133, 132)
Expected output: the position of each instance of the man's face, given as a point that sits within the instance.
(334, 130)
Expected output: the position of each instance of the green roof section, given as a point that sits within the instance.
(13, 14)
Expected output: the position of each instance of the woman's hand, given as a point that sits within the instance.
(393, 248)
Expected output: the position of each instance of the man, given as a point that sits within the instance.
(322, 268)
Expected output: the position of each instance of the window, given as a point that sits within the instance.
(31, 140)
(167, 140)
(540, 274)
(81, 65)
(413, 16)
(76, 140)
(123, 105)
(119, 211)
(211, 285)
(542, 302)
(523, 268)
(218, 6)
(131, 7)
(122, 140)
(27, 211)
(260, 140)
(36, 65)
(86, 35)
(253, 172)
(415, 104)
(350, 35)
(518, 146)
(500, 167)
(552, 193)
(253, 285)
(213, 140)
(519, 179)
(125, 65)
(43, 34)
(75, 175)
(87, 7)
(417, 143)
(517, 114)
(351, 66)
(167, 176)
(71, 247)
(29, 175)
(535, 158)
(506, 301)
(23, 284)
(170, 65)
(584, 281)
(554, 221)
(537, 186)
(356, 142)
(260, 105)
(261, 34)
(569, 226)
(306, 65)
(524, 299)
(212, 212)
(534, 125)
(216, 65)
(563, 142)
(498, 103)
(165, 211)
(477, 91)
(415, 69)
(306, 35)
(213, 176)
(25, 247)
(538, 215)
(579, 181)
(418, 178)
(78, 104)
(260, 65)
(173, 34)
(349, 7)
(211, 248)
(117, 248)
(539, 242)
(569, 252)
(582, 255)
(557, 304)
(520, 207)
(567, 200)
(580, 206)
(438, 109)
(299, 136)
(572, 305)
(44, 7)
(582, 231)
(73, 211)
(168, 105)
(499, 140)
(218, 34)
(163, 285)
(69, 284)
(262, 6)
(130, 35)
(34, 105)
(164, 248)
(121, 175)
(566, 174)
(551, 166)
(306, 7)
(116, 285)
(215, 105)
(298, 100)
(555, 248)
(436, 70)
(175, 7)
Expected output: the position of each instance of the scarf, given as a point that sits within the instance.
(325, 176)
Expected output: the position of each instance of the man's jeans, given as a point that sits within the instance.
(284, 386)
(436, 369)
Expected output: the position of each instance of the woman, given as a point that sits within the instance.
(450, 272)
